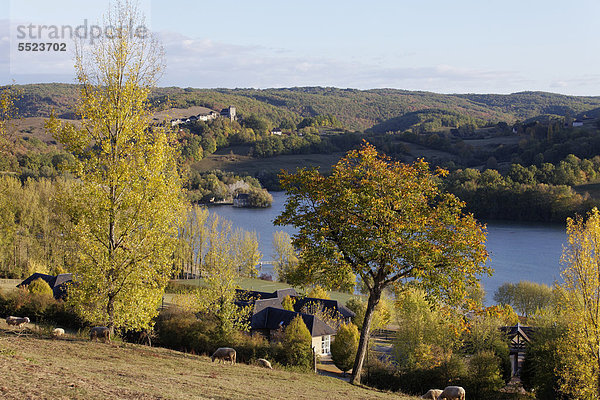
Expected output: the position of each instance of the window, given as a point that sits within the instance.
(325, 344)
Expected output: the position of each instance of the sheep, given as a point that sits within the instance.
(100, 332)
(266, 364)
(452, 393)
(224, 354)
(17, 321)
(56, 332)
(432, 394)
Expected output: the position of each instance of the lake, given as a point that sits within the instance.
(518, 251)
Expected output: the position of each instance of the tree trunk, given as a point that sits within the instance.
(374, 297)
(110, 310)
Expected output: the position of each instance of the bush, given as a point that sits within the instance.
(344, 347)
(40, 308)
(297, 344)
(484, 375)
(415, 381)
(41, 287)
(181, 330)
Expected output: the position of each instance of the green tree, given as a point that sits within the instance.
(129, 196)
(381, 316)
(344, 346)
(484, 375)
(389, 223)
(426, 335)
(525, 297)
(297, 343)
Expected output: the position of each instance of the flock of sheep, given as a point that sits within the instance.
(449, 393)
(103, 333)
(227, 354)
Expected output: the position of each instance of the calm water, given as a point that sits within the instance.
(519, 251)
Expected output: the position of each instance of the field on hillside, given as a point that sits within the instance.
(73, 368)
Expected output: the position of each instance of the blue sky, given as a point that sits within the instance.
(443, 46)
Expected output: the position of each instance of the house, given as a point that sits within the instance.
(58, 283)
(276, 132)
(519, 336)
(269, 320)
(229, 112)
(269, 316)
(577, 123)
(241, 200)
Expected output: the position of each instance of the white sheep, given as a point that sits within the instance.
(224, 354)
(452, 393)
(264, 363)
(432, 394)
(56, 332)
(17, 321)
(100, 332)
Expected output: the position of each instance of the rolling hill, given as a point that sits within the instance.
(356, 109)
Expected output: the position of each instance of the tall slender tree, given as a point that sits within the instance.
(389, 223)
(129, 197)
(579, 348)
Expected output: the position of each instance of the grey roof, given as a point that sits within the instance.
(58, 283)
(273, 318)
(332, 305)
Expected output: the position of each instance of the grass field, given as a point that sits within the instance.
(592, 188)
(36, 367)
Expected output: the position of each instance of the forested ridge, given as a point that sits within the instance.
(355, 109)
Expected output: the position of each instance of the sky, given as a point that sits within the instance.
(459, 46)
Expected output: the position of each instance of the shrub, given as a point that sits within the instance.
(318, 293)
(182, 330)
(484, 375)
(344, 347)
(288, 303)
(41, 287)
(40, 308)
(297, 344)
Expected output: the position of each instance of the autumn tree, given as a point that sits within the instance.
(284, 256)
(129, 197)
(247, 255)
(387, 222)
(525, 297)
(579, 348)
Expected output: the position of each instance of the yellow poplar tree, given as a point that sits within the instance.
(580, 346)
(129, 198)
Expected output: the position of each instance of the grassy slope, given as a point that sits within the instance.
(73, 368)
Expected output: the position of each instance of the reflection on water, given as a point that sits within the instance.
(518, 251)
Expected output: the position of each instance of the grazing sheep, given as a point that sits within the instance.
(266, 364)
(17, 321)
(100, 332)
(224, 354)
(452, 393)
(432, 394)
(56, 332)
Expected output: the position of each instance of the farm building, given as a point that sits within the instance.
(322, 317)
(58, 283)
